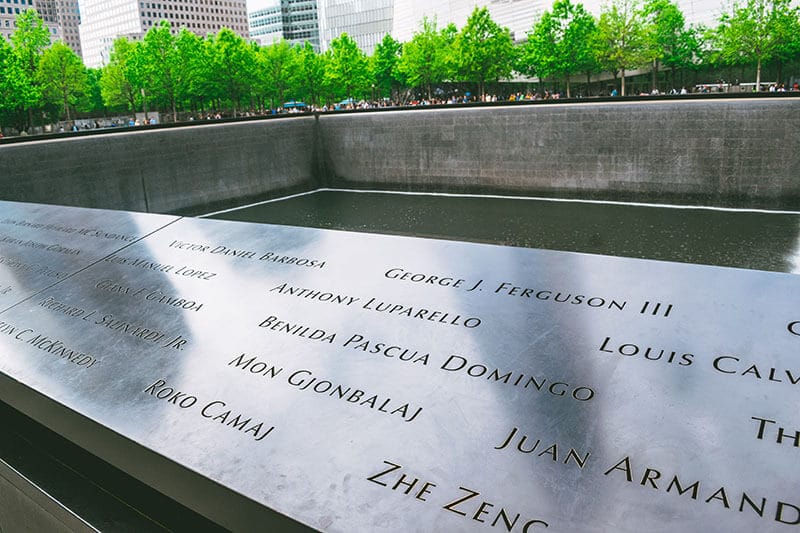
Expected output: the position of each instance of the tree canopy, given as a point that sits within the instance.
(426, 59)
(179, 73)
(560, 43)
(758, 30)
(483, 51)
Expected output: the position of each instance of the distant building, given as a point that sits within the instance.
(295, 21)
(8, 13)
(366, 21)
(103, 21)
(63, 15)
(516, 15)
(9, 9)
(266, 23)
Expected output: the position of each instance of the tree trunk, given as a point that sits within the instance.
(568, 95)
(655, 75)
(622, 85)
(758, 75)
(779, 64)
(588, 83)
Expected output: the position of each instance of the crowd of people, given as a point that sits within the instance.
(454, 98)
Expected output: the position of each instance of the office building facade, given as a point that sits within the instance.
(11, 9)
(63, 15)
(295, 21)
(516, 15)
(366, 21)
(103, 21)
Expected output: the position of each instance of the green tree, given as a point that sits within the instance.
(667, 39)
(92, 100)
(62, 76)
(29, 41)
(756, 31)
(427, 58)
(483, 50)
(560, 43)
(620, 42)
(160, 66)
(309, 74)
(348, 68)
(117, 82)
(233, 67)
(142, 74)
(277, 71)
(15, 87)
(193, 69)
(384, 66)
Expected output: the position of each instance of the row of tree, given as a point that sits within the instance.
(183, 72)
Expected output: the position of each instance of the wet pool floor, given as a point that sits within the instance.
(760, 240)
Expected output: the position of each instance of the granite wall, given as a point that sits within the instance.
(743, 151)
(163, 170)
(718, 151)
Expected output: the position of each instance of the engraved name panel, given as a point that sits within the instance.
(381, 383)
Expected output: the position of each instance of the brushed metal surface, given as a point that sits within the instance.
(41, 245)
(381, 383)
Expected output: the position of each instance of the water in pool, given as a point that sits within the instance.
(760, 240)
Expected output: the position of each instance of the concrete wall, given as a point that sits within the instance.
(163, 170)
(708, 150)
(711, 151)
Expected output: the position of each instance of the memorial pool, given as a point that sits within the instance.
(753, 239)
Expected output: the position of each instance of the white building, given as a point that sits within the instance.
(516, 15)
(366, 21)
(103, 21)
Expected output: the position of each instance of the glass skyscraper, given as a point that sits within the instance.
(295, 21)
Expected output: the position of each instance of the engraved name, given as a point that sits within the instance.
(39, 225)
(247, 254)
(421, 313)
(439, 280)
(513, 378)
(142, 332)
(727, 365)
(20, 266)
(305, 380)
(556, 296)
(782, 434)
(183, 271)
(650, 478)
(636, 349)
(464, 502)
(49, 345)
(56, 248)
(149, 294)
(528, 445)
(216, 410)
